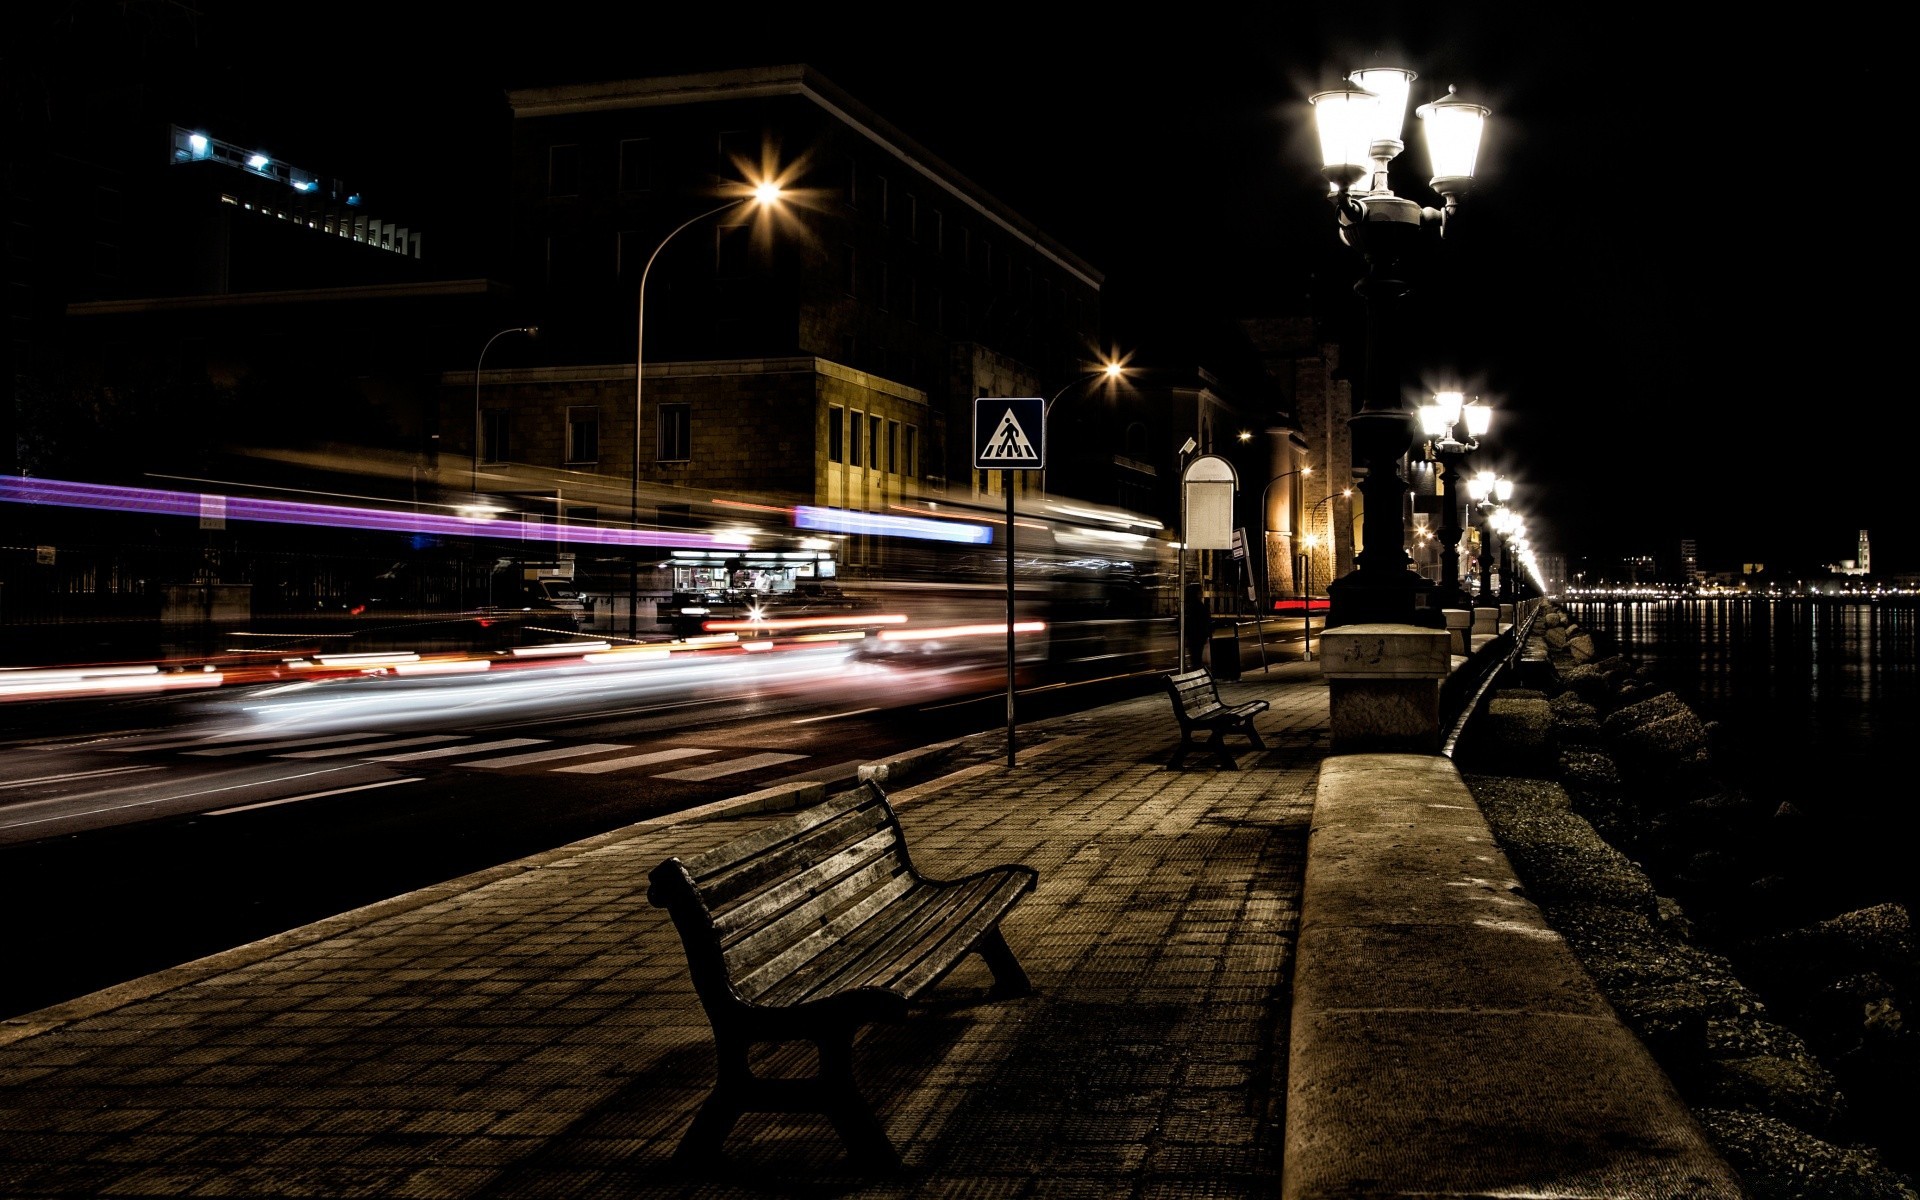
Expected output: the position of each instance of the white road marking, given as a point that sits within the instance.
(636, 760)
(365, 787)
(749, 763)
(337, 751)
(20, 783)
(254, 747)
(520, 760)
(450, 751)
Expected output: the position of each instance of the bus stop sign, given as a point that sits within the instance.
(1009, 434)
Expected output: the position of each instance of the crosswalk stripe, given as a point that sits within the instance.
(450, 751)
(339, 751)
(256, 747)
(518, 760)
(635, 760)
(730, 767)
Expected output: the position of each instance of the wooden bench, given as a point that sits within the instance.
(809, 929)
(1197, 704)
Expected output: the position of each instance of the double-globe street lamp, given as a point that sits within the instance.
(1489, 492)
(1445, 420)
(1360, 126)
(763, 195)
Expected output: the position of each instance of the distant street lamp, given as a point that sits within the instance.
(763, 195)
(1303, 472)
(531, 331)
(1488, 491)
(1444, 421)
(1312, 541)
(1360, 126)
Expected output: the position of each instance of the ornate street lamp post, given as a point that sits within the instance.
(1445, 420)
(1488, 491)
(1360, 126)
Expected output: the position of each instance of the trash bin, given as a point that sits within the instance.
(1223, 652)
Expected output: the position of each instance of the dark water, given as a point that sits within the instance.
(1819, 705)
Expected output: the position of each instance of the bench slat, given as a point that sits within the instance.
(798, 950)
(754, 909)
(754, 949)
(909, 946)
(744, 879)
(720, 858)
(913, 960)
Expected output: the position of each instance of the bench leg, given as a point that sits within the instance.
(721, 1110)
(831, 1093)
(1219, 745)
(852, 1117)
(1009, 980)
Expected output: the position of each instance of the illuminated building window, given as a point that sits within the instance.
(836, 436)
(854, 429)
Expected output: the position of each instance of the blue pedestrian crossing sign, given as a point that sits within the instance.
(1009, 434)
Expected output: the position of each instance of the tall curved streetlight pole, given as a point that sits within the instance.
(473, 483)
(1110, 371)
(1303, 472)
(764, 194)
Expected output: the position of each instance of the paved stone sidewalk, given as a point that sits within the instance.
(530, 1031)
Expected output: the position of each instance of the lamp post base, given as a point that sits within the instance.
(1383, 598)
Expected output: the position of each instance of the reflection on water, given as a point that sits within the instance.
(1819, 705)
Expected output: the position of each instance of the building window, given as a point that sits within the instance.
(936, 234)
(909, 450)
(563, 170)
(636, 164)
(852, 279)
(873, 442)
(853, 184)
(836, 422)
(883, 196)
(910, 215)
(496, 444)
(963, 247)
(893, 447)
(675, 441)
(853, 438)
(583, 433)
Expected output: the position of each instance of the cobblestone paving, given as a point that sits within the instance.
(530, 1032)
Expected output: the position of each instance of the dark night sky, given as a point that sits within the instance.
(1683, 331)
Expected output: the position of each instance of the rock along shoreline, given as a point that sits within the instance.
(1792, 1040)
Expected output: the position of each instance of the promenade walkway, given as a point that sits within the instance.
(529, 1031)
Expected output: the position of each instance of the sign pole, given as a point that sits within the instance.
(1006, 484)
(1011, 435)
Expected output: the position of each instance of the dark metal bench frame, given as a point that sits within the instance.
(1197, 705)
(811, 928)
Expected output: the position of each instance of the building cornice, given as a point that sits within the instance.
(800, 80)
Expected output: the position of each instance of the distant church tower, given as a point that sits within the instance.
(1865, 555)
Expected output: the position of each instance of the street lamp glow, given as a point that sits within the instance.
(764, 195)
(1345, 116)
(1453, 128)
(1388, 118)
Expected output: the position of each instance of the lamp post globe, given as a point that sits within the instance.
(1360, 124)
